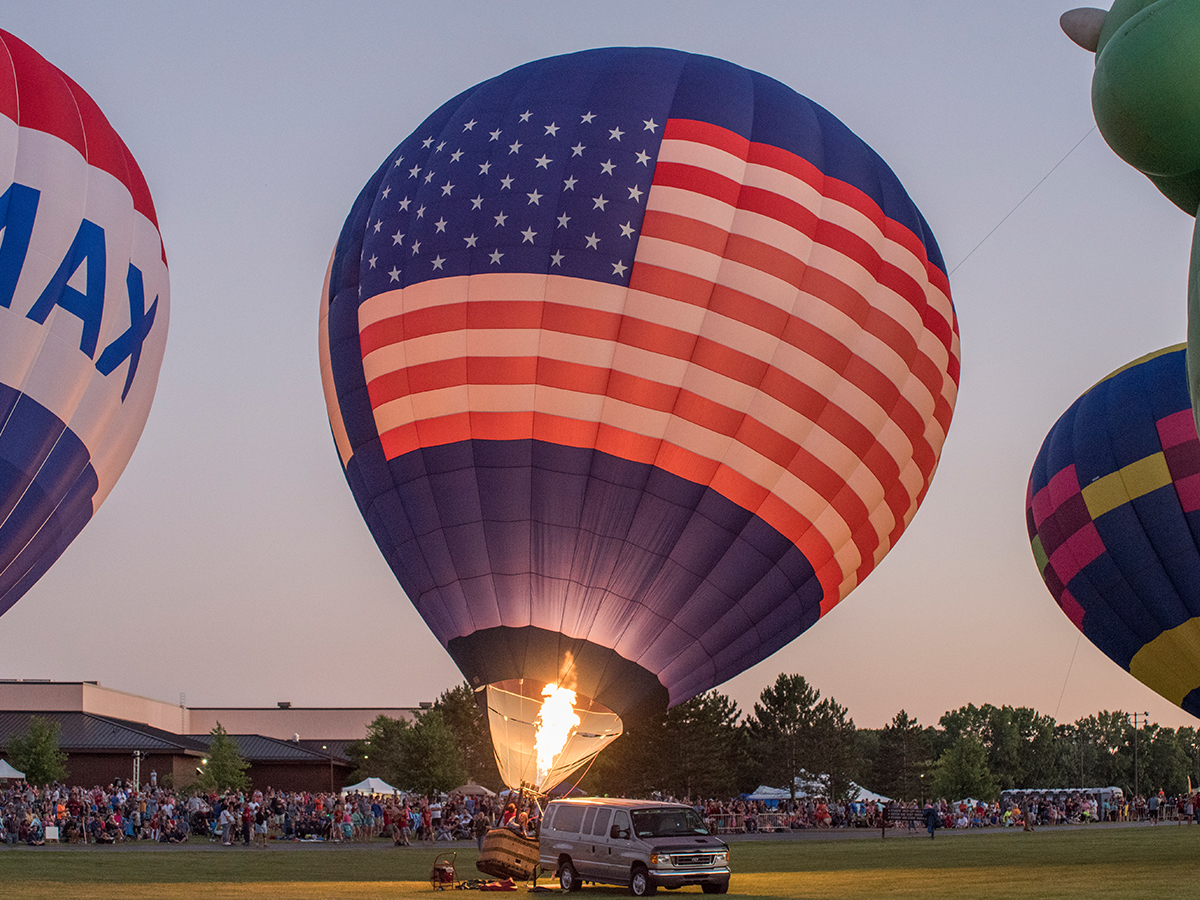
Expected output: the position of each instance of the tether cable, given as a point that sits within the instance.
(1022, 200)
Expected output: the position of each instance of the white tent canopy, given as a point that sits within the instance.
(471, 789)
(808, 787)
(7, 771)
(863, 795)
(370, 786)
(763, 792)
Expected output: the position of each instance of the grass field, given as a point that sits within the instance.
(1098, 862)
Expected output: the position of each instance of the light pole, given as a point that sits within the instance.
(1145, 718)
(1196, 747)
(326, 749)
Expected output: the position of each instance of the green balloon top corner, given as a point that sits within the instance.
(1146, 92)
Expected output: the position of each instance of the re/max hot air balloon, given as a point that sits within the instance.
(1113, 512)
(83, 312)
(637, 363)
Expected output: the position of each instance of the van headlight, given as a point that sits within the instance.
(721, 859)
(660, 859)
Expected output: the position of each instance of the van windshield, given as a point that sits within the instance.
(667, 822)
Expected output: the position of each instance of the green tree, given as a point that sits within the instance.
(1189, 743)
(383, 752)
(962, 771)
(36, 752)
(467, 720)
(1101, 751)
(866, 752)
(793, 729)
(1020, 743)
(435, 763)
(421, 755)
(1110, 759)
(694, 749)
(780, 729)
(1165, 763)
(903, 758)
(832, 751)
(224, 768)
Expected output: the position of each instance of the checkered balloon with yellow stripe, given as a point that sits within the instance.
(1113, 512)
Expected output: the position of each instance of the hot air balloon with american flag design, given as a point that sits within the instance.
(637, 363)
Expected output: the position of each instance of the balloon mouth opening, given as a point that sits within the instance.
(542, 733)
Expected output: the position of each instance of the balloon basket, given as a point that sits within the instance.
(507, 854)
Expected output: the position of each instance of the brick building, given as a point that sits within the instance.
(109, 734)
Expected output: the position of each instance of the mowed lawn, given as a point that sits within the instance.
(1096, 862)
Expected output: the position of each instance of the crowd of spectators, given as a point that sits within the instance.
(119, 813)
(1060, 808)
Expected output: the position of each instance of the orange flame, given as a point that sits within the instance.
(553, 726)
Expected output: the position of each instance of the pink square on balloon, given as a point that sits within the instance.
(1177, 428)
(1072, 608)
(1077, 551)
(1188, 490)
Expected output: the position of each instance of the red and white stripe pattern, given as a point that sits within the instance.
(780, 340)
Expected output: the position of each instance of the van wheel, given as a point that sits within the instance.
(641, 884)
(568, 878)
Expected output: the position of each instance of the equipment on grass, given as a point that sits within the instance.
(443, 875)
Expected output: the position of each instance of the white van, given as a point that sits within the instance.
(640, 844)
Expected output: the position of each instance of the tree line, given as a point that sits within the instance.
(708, 747)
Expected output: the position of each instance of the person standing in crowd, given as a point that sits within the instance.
(225, 823)
(480, 826)
(260, 827)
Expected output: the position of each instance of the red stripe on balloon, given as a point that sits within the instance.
(730, 363)
(787, 267)
(638, 448)
(648, 394)
(799, 167)
(39, 96)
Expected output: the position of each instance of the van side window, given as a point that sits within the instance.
(587, 820)
(568, 818)
(603, 817)
(548, 819)
(621, 822)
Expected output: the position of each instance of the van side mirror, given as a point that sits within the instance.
(617, 832)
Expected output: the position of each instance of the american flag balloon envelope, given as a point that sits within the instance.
(83, 312)
(637, 363)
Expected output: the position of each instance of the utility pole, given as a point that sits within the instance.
(1145, 719)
